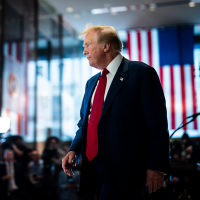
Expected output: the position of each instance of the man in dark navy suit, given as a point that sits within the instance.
(123, 136)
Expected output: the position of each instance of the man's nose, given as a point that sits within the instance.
(84, 51)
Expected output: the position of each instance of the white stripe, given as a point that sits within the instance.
(155, 50)
(167, 92)
(178, 97)
(134, 48)
(144, 47)
(188, 94)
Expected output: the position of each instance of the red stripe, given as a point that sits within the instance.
(183, 95)
(139, 46)
(172, 98)
(18, 124)
(150, 47)
(129, 44)
(161, 76)
(18, 52)
(7, 113)
(193, 95)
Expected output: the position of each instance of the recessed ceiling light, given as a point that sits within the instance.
(191, 4)
(98, 11)
(69, 9)
(118, 9)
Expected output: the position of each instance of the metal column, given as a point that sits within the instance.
(35, 24)
(2, 28)
(60, 33)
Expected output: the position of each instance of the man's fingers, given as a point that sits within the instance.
(69, 172)
(155, 187)
(67, 163)
(64, 162)
(154, 180)
(150, 188)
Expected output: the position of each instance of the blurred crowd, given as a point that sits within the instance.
(185, 168)
(27, 174)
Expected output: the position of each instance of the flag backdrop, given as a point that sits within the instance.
(170, 52)
(15, 86)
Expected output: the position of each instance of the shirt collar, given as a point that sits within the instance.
(114, 64)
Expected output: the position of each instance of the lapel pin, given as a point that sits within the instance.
(121, 78)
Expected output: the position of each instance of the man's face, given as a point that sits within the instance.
(94, 51)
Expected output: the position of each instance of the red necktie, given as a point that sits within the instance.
(92, 137)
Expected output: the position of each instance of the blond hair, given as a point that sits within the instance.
(105, 34)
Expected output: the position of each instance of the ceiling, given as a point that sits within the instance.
(134, 13)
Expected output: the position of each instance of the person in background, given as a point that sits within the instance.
(35, 175)
(21, 151)
(51, 156)
(123, 131)
(12, 178)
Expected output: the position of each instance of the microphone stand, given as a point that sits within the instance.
(193, 117)
(183, 123)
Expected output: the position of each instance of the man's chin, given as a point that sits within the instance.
(93, 65)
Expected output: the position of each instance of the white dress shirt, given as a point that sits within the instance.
(112, 68)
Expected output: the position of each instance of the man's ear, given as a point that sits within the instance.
(107, 47)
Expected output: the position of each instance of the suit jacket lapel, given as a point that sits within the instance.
(90, 91)
(118, 81)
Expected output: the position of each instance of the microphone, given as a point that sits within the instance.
(194, 116)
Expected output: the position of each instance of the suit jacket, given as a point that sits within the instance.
(132, 131)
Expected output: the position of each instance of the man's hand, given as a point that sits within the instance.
(6, 177)
(155, 180)
(67, 163)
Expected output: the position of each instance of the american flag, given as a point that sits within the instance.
(170, 52)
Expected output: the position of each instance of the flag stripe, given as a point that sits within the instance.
(183, 95)
(150, 47)
(18, 124)
(155, 50)
(144, 47)
(178, 96)
(193, 95)
(18, 52)
(172, 98)
(129, 45)
(139, 46)
(161, 77)
(167, 91)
